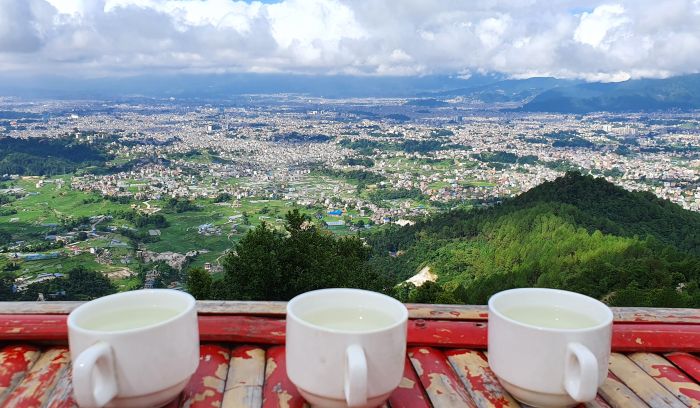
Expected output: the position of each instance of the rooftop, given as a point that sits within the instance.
(242, 360)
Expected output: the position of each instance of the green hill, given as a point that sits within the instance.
(576, 233)
(46, 157)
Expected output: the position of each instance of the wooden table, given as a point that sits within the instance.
(242, 360)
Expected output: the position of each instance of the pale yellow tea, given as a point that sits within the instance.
(550, 317)
(348, 319)
(128, 318)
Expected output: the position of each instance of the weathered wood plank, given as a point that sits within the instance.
(447, 333)
(15, 363)
(439, 380)
(246, 375)
(206, 387)
(38, 384)
(410, 393)
(62, 394)
(641, 383)
(618, 395)
(416, 311)
(229, 307)
(242, 329)
(627, 337)
(472, 367)
(239, 329)
(630, 337)
(686, 362)
(33, 327)
(278, 390)
(668, 375)
(598, 402)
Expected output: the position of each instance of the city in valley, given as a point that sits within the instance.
(180, 182)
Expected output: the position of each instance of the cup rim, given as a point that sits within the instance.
(492, 309)
(301, 297)
(73, 325)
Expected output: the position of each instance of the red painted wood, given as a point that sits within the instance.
(242, 329)
(656, 337)
(206, 387)
(33, 327)
(480, 382)
(262, 330)
(62, 394)
(651, 337)
(689, 363)
(410, 393)
(35, 388)
(278, 390)
(15, 361)
(438, 379)
(669, 376)
(447, 333)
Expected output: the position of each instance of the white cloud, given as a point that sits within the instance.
(609, 41)
(595, 26)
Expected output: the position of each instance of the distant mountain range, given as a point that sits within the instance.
(569, 96)
(681, 93)
(431, 91)
(211, 87)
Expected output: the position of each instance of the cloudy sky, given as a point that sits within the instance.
(592, 40)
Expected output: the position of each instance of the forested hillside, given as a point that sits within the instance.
(576, 233)
(40, 157)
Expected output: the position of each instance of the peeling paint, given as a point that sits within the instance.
(221, 371)
(694, 394)
(283, 399)
(417, 365)
(40, 380)
(202, 396)
(406, 383)
(270, 368)
(213, 382)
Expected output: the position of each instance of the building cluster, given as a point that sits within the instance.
(283, 151)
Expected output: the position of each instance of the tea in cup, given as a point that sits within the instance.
(549, 347)
(345, 347)
(133, 349)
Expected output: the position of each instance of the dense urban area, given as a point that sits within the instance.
(141, 191)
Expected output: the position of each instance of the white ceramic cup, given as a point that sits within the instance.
(547, 367)
(139, 367)
(334, 368)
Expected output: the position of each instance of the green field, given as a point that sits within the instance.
(46, 205)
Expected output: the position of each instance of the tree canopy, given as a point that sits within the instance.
(269, 264)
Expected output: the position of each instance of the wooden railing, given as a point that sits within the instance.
(635, 329)
(416, 311)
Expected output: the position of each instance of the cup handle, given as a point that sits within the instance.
(94, 377)
(355, 376)
(580, 373)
